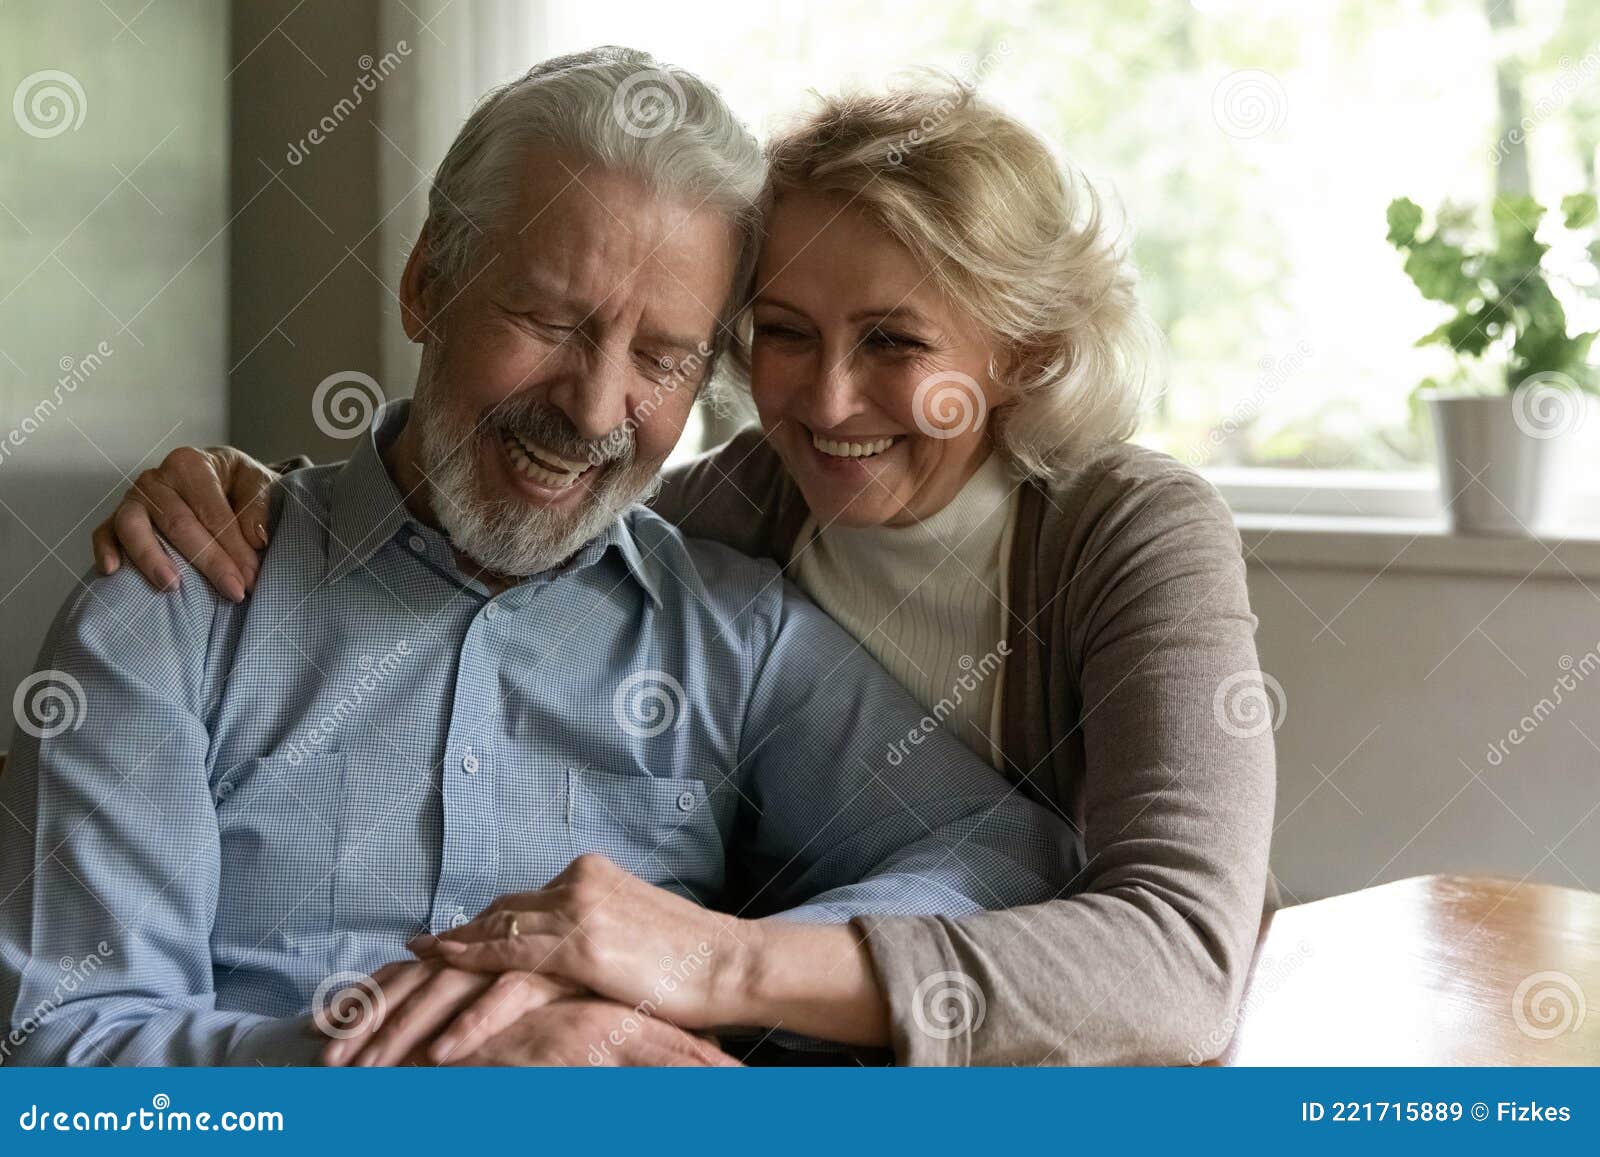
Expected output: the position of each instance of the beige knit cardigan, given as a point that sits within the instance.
(1133, 705)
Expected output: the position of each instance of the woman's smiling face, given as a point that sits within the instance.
(873, 388)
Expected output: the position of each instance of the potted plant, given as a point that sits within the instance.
(1503, 423)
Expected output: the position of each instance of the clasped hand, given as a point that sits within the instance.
(597, 967)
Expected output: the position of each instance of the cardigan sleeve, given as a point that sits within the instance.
(1145, 962)
(737, 494)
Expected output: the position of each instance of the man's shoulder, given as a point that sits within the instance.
(736, 596)
(123, 613)
(698, 572)
(305, 494)
(162, 638)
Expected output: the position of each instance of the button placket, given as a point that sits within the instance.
(469, 867)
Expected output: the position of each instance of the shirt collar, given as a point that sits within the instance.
(366, 508)
(367, 511)
(645, 571)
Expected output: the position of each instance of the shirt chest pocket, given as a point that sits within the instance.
(280, 823)
(665, 831)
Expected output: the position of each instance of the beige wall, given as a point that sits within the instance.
(307, 300)
(1397, 682)
(111, 232)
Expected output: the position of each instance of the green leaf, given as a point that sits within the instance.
(1435, 267)
(1541, 352)
(1540, 307)
(1579, 210)
(1538, 351)
(1404, 216)
(1515, 259)
(1581, 370)
(1515, 215)
(1439, 335)
(1469, 333)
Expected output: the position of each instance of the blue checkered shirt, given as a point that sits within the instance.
(242, 801)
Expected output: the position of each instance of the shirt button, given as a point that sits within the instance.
(458, 917)
(492, 611)
(417, 543)
(686, 801)
(469, 762)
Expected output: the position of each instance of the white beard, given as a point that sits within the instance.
(503, 533)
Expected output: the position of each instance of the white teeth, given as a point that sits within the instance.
(851, 449)
(523, 455)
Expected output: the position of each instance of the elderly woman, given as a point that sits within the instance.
(947, 353)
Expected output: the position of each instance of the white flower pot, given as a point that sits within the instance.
(1503, 458)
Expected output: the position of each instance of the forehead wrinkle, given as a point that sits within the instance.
(575, 253)
(888, 313)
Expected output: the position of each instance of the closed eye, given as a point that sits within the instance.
(885, 339)
(657, 366)
(556, 329)
(779, 331)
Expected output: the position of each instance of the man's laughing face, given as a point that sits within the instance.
(557, 379)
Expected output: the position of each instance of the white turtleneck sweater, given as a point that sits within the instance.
(928, 600)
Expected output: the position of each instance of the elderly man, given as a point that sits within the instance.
(473, 666)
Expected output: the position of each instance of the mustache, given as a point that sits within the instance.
(545, 425)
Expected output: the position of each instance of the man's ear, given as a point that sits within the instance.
(419, 291)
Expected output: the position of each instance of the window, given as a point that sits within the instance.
(1255, 148)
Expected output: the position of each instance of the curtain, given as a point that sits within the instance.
(457, 50)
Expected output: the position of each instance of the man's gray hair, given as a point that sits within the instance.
(620, 109)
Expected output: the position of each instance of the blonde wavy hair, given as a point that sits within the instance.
(1014, 236)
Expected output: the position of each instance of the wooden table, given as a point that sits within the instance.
(1437, 970)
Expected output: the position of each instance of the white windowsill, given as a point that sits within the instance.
(1332, 493)
(1390, 523)
(1412, 545)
